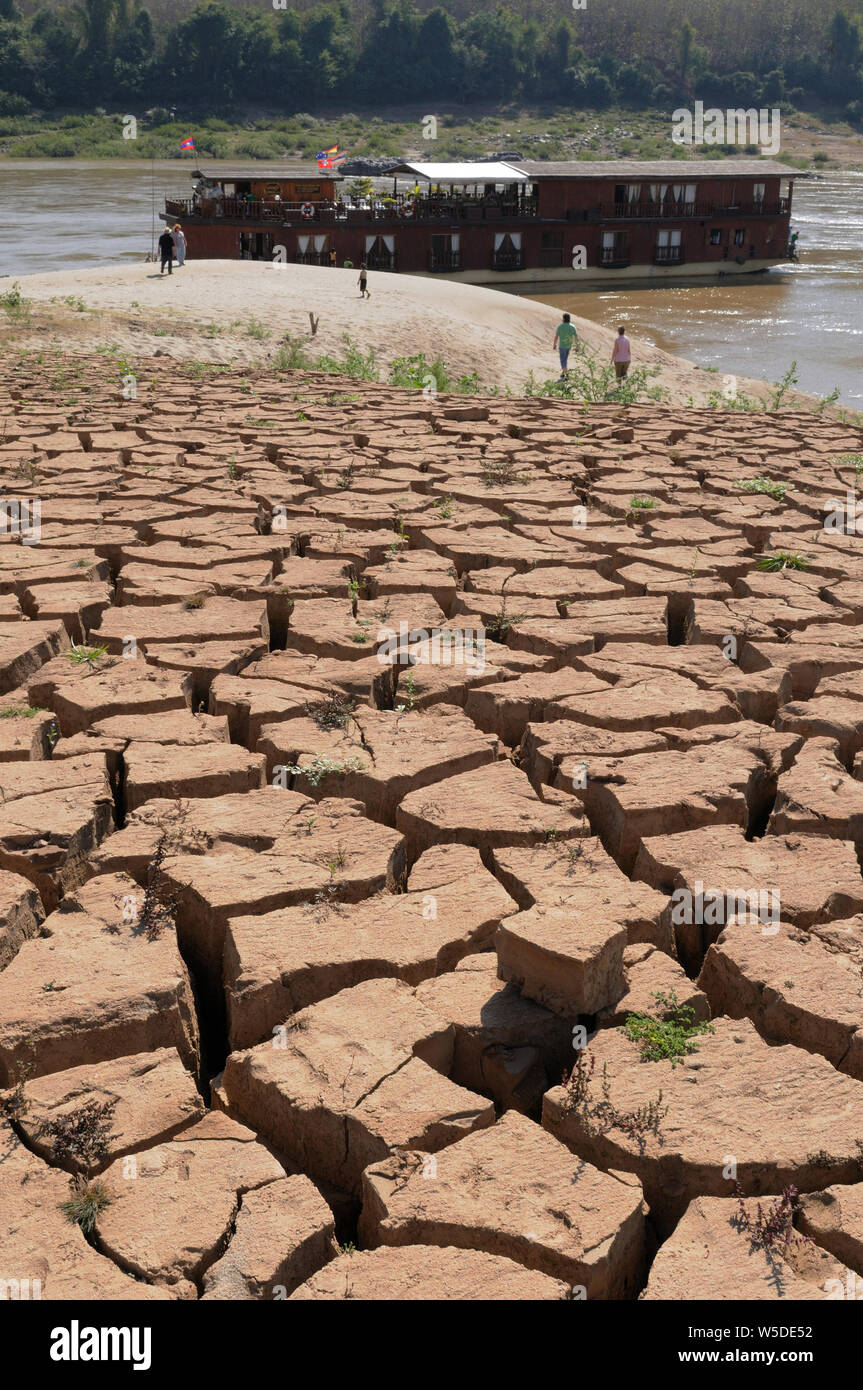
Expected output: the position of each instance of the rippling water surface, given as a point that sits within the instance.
(811, 312)
(56, 214)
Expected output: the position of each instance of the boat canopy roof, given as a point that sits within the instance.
(478, 172)
(654, 168)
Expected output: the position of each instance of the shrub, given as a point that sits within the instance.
(589, 380)
(355, 363)
(291, 355)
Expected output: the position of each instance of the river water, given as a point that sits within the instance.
(55, 214)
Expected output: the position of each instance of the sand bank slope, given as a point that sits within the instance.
(501, 336)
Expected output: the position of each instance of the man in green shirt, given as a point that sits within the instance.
(563, 341)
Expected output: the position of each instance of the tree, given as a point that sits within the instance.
(685, 37)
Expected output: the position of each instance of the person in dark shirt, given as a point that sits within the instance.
(166, 251)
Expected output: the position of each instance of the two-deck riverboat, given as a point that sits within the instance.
(517, 224)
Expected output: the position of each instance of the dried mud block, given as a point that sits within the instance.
(194, 770)
(569, 961)
(283, 961)
(513, 1190)
(218, 620)
(716, 873)
(665, 793)
(644, 702)
(506, 709)
(378, 756)
(129, 687)
(582, 878)
(24, 647)
(173, 1207)
(351, 1078)
(283, 1235)
(792, 986)
(25, 732)
(336, 855)
(711, 1255)
(151, 1095)
(417, 1272)
(92, 988)
(817, 796)
(493, 806)
(834, 1220)
(506, 1046)
(44, 1254)
(653, 977)
(52, 816)
(786, 1117)
(21, 914)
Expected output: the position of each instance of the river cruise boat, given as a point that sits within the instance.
(516, 224)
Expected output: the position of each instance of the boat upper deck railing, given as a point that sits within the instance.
(449, 211)
(406, 208)
(761, 207)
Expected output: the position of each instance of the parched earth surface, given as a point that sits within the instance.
(382, 775)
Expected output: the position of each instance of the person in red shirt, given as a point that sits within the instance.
(621, 353)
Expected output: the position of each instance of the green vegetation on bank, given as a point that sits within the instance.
(200, 69)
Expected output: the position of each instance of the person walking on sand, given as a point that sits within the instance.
(621, 353)
(563, 341)
(180, 244)
(363, 282)
(166, 252)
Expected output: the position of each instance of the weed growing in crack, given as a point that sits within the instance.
(86, 656)
(771, 1228)
(782, 560)
(158, 910)
(15, 1104)
(88, 1199)
(597, 1117)
(334, 713)
(497, 627)
(766, 487)
(321, 767)
(502, 473)
(81, 1136)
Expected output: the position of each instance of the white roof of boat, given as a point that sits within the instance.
(478, 172)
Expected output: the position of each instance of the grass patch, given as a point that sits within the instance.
(321, 767)
(764, 487)
(782, 560)
(86, 656)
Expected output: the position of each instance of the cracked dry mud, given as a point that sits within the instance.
(347, 782)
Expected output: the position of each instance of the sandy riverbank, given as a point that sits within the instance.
(204, 310)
